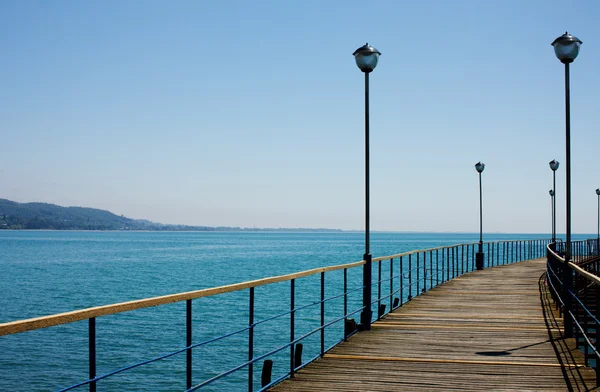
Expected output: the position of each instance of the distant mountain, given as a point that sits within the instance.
(15, 215)
(44, 216)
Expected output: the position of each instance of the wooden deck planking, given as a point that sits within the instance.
(487, 330)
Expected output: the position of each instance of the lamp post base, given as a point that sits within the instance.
(479, 260)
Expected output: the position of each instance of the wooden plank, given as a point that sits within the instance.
(488, 330)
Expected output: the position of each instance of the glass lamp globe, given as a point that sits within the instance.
(479, 167)
(554, 164)
(566, 47)
(366, 58)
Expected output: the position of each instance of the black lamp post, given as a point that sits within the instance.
(366, 59)
(554, 166)
(598, 240)
(566, 48)
(553, 217)
(479, 256)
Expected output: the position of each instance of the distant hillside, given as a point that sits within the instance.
(16, 216)
(44, 216)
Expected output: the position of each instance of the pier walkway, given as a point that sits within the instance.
(490, 330)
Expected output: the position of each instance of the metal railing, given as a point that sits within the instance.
(574, 288)
(322, 305)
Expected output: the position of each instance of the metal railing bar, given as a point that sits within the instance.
(584, 307)
(98, 378)
(281, 348)
(262, 321)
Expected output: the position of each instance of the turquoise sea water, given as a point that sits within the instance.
(46, 272)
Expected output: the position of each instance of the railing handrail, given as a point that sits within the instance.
(34, 323)
(30, 324)
(556, 255)
(412, 252)
(580, 271)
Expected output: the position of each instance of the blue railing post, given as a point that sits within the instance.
(409, 277)
(345, 301)
(437, 267)
(424, 272)
(567, 299)
(401, 282)
(430, 269)
(391, 284)
(322, 313)
(597, 341)
(455, 260)
(585, 320)
(378, 290)
(418, 277)
(447, 263)
(250, 340)
(92, 352)
(292, 324)
(188, 343)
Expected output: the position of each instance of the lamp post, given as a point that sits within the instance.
(552, 206)
(366, 59)
(598, 240)
(566, 48)
(479, 256)
(554, 167)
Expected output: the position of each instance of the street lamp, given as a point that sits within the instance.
(554, 166)
(598, 240)
(366, 59)
(479, 256)
(566, 48)
(552, 206)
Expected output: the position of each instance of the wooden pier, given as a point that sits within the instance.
(490, 330)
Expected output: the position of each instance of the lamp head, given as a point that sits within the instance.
(566, 48)
(366, 58)
(479, 167)
(554, 164)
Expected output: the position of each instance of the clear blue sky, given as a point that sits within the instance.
(251, 113)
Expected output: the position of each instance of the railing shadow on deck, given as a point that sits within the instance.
(319, 309)
(573, 286)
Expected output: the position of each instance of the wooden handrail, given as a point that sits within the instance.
(584, 273)
(576, 268)
(105, 310)
(412, 252)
